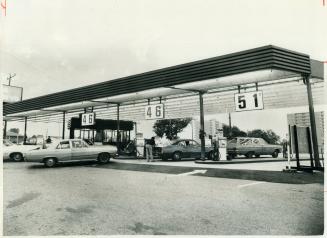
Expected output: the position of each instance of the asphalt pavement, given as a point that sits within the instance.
(91, 199)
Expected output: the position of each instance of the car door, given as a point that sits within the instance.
(63, 151)
(79, 150)
(181, 146)
(266, 149)
(195, 149)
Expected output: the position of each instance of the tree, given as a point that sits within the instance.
(14, 130)
(170, 127)
(235, 132)
(269, 136)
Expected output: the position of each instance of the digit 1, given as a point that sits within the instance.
(255, 100)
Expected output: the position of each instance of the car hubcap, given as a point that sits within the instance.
(103, 158)
(17, 157)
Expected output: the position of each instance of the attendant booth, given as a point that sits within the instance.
(103, 131)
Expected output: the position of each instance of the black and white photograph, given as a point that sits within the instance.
(162, 117)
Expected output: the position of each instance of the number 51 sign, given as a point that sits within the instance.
(248, 101)
(154, 111)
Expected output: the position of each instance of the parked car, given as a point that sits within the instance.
(250, 147)
(15, 152)
(71, 150)
(183, 148)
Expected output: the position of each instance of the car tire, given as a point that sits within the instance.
(103, 158)
(275, 154)
(177, 156)
(50, 162)
(249, 155)
(17, 157)
(257, 156)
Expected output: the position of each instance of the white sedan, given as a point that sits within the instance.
(71, 150)
(16, 152)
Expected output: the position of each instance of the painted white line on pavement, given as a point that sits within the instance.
(249, 184)
(192, 172)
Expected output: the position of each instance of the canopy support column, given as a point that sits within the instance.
(25, 127)
(202, 133)
(118, 129)
(312, 122)
(63, 124)
(5, 130)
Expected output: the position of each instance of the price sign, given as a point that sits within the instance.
(154, 111)
(88, 119)
(248, 101)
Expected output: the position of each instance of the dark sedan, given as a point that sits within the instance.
(185, 148)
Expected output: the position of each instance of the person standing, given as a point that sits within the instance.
(149, 149)
(285, 144)
(48, 141)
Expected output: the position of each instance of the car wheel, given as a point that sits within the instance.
(103, 158)
(50, 162)
(257, 156)
(249, 154)
(177, 156)
(275, 154)
(17, 157)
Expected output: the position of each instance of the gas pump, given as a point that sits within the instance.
(222, 141)
(139, 145)
(220, 146)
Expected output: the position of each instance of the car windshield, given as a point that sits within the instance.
(233, 140)
(7, 143)
(193, 143)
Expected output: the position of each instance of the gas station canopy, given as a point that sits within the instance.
(257, 65)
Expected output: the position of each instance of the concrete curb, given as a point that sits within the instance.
(245, 161)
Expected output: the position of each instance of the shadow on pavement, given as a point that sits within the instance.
(257, 175)
(66, 164)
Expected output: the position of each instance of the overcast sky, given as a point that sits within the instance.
(56, 45)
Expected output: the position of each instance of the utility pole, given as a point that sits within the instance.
(9, 78)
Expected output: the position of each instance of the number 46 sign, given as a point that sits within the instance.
(154, 111)
(87, 119)
(248, 101)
